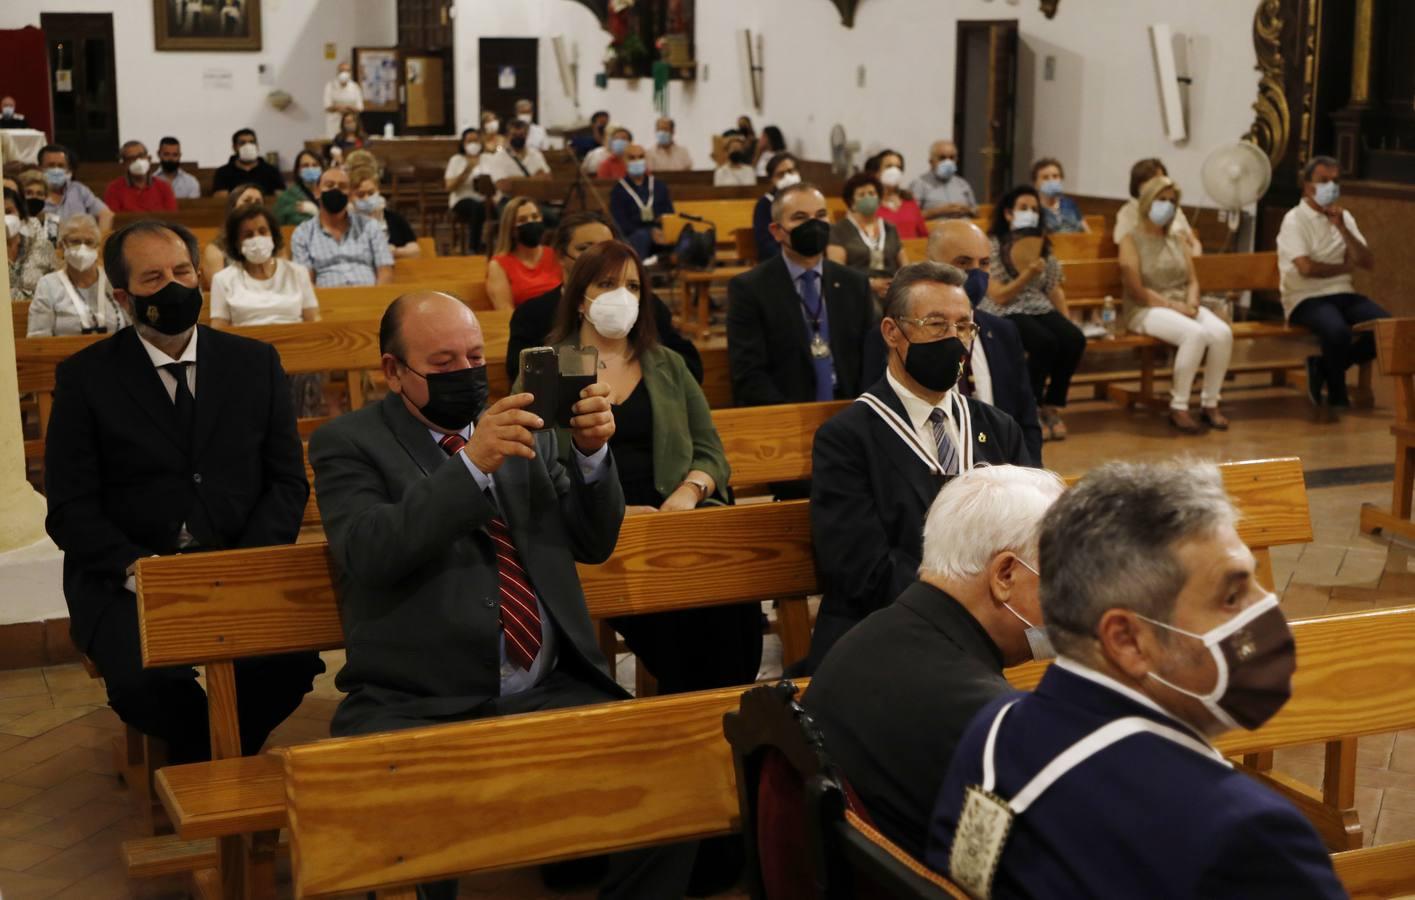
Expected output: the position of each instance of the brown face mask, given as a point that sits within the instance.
(1255, 655)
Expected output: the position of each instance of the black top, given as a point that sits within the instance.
(231, 176)
(400, 233)
(632, 446)
(893, 698)
(532, 321)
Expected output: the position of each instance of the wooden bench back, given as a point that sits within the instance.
(1395, 346)
(643, 772)
(1216, 272)
(1090, 245)
(728, 216)
(203, 607)
(425, 269)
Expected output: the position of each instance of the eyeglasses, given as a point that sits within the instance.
(938, 329)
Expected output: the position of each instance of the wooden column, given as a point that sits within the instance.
(22, 509)
(1349, 122)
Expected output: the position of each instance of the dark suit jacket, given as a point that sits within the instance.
(120, 480)
(893, 699)
(869, 496)
(1007, 365)
(768, 348)
(416, 569)
(1144, 817)
(532, 321)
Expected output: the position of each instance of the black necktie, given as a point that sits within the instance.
(183, 401)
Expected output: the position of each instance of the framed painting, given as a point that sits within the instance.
(222, 25)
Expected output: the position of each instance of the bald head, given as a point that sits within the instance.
(423, 333)
(960, 243)
(944, 149)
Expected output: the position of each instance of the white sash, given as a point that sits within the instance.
(645, 207)
(928, 455)
(86, 320)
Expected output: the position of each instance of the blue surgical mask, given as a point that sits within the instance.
(56, 177)
(1025, 218)
(618, 146)
(1162, 213)
(664, 138)
(1052, 187)
(370, 204)
(638, 168)
(1038, 641)
(1327, 193)
(310, 175)
(946, 169)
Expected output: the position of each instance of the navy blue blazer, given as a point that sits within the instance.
(626, 212)
(767, 246)
(1007, 366)
(1144, 817)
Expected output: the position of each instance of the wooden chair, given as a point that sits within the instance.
(1395, 352)
(823, 844)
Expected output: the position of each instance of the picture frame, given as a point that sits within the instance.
(213, 25)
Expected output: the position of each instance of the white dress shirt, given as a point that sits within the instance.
(917, 410)
(982, 375)
(513, 678)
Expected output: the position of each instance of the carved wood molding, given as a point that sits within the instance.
(1272, 126)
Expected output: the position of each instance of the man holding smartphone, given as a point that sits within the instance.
(456, 546)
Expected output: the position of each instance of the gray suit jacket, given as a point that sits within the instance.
(417, 574)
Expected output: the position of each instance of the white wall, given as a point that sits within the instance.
(163, 93)
(1098, 115)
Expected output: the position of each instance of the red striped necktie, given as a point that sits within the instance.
(520, 614)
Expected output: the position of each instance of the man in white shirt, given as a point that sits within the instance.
(667, 154)
(536, 138)
(1318, 248)
(515, 160)
(341, 95)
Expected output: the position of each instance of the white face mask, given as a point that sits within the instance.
(1038, 641)
(472, 148)
(258, 248)
(139, 168)
(344, 77)
(1025, 218)
(248, 152)
(785, 181)
(7, 111)
(80, 257)
(613, 313)
(492, 126)
(524, 117)
(891, 177)
(12, 225)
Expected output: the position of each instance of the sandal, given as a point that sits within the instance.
(1214, 419)
(1180, 420)
(1058, 427)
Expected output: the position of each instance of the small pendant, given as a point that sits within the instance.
(819, 348)
(646, 214)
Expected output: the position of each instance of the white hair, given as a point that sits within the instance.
(983, 512)
(75, 222)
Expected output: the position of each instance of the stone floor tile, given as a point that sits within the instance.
(58, 768)
(1368, 810)
(1399, 799)
(1395, 825)
(19, 706)
(13, 824)
(109, 883)
(19, 856)
(1375, 750)
(22, 683)
(68, 678)
(72, 794)
(1319, 564)
(1361, 567)
(78, 824)
(13, 794)
(38, 722)
(1303, 601)
(104, 718)
(89, 697)
(24, 886)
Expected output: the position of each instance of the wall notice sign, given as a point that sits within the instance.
(64, 80)
(506, 78)
(217, 79)
(331, 51)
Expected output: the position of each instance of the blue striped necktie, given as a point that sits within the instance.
(947, 452)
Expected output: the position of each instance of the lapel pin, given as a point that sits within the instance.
(982, 438)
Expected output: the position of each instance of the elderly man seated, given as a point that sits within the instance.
(973, 610)
(1102, 782)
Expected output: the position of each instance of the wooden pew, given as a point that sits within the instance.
(1395, 352)
(663, 773)
(215, 608)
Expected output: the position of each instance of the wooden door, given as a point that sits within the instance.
(984, 104)
(509, 72)
(83, 82)
(425, 110)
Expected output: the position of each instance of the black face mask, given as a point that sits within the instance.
(518, 143)
(530, 234)
(937, 364)
(333, 200)
(454, 399)
(171, 310)
(171, 165)
(737, 157)
(34, 205)
(810, 237)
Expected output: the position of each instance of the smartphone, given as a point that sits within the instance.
(540, 375)
(579, 368)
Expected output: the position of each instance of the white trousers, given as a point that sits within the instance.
(1192, 337)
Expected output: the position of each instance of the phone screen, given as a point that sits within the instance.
(579, 368)
(540, 375)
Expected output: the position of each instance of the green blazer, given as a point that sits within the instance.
(684, 437)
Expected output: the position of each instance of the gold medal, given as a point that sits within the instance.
(819, 348)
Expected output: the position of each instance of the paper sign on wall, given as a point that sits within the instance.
(331, 51)
(506, 78)
(64, 80)
(217, 79)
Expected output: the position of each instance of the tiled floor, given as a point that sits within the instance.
(63, 814)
